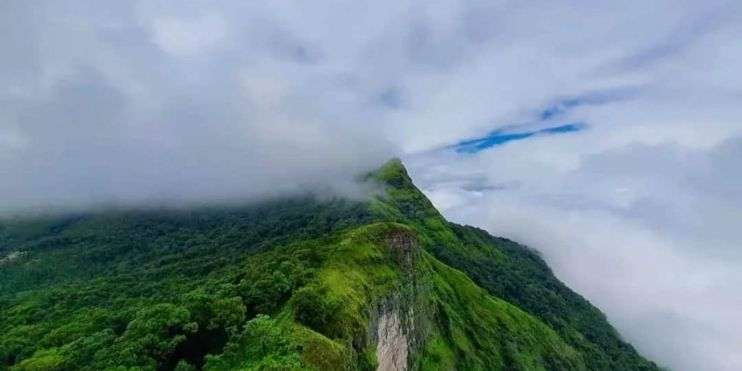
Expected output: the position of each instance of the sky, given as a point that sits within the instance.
(607, 135)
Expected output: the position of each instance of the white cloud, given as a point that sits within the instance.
(648, 232)
(185, 37)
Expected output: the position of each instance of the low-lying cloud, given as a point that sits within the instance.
(649, 233)
(130, 106)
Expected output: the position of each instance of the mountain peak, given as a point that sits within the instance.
(393, 173)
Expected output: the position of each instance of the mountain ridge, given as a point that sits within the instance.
(386, 283)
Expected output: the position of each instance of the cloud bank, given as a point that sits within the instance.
(638, 210)
(649, 233)
(134, 104)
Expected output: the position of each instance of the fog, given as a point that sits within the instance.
(132, 106)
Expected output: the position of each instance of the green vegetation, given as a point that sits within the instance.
(511, 272)
(297, 284)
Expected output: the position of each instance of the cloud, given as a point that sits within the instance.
(145, 105)
(647, 232)
(641, 223)
(189, 36)
(142, 102)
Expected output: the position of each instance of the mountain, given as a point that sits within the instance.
(301, 283)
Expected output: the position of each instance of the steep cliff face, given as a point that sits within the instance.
(433, 317)
(392, 347)
(403, 322)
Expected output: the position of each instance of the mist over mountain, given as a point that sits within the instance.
(295, 283)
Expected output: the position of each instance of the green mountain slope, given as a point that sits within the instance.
(291, 284)
(512, 272)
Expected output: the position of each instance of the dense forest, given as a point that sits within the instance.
(301, 283)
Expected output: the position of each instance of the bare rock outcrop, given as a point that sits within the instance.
(401, 323)
(392, 350)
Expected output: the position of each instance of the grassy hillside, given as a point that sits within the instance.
(509, 271)
(289, 285)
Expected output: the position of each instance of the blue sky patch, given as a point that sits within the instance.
(499, 137)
